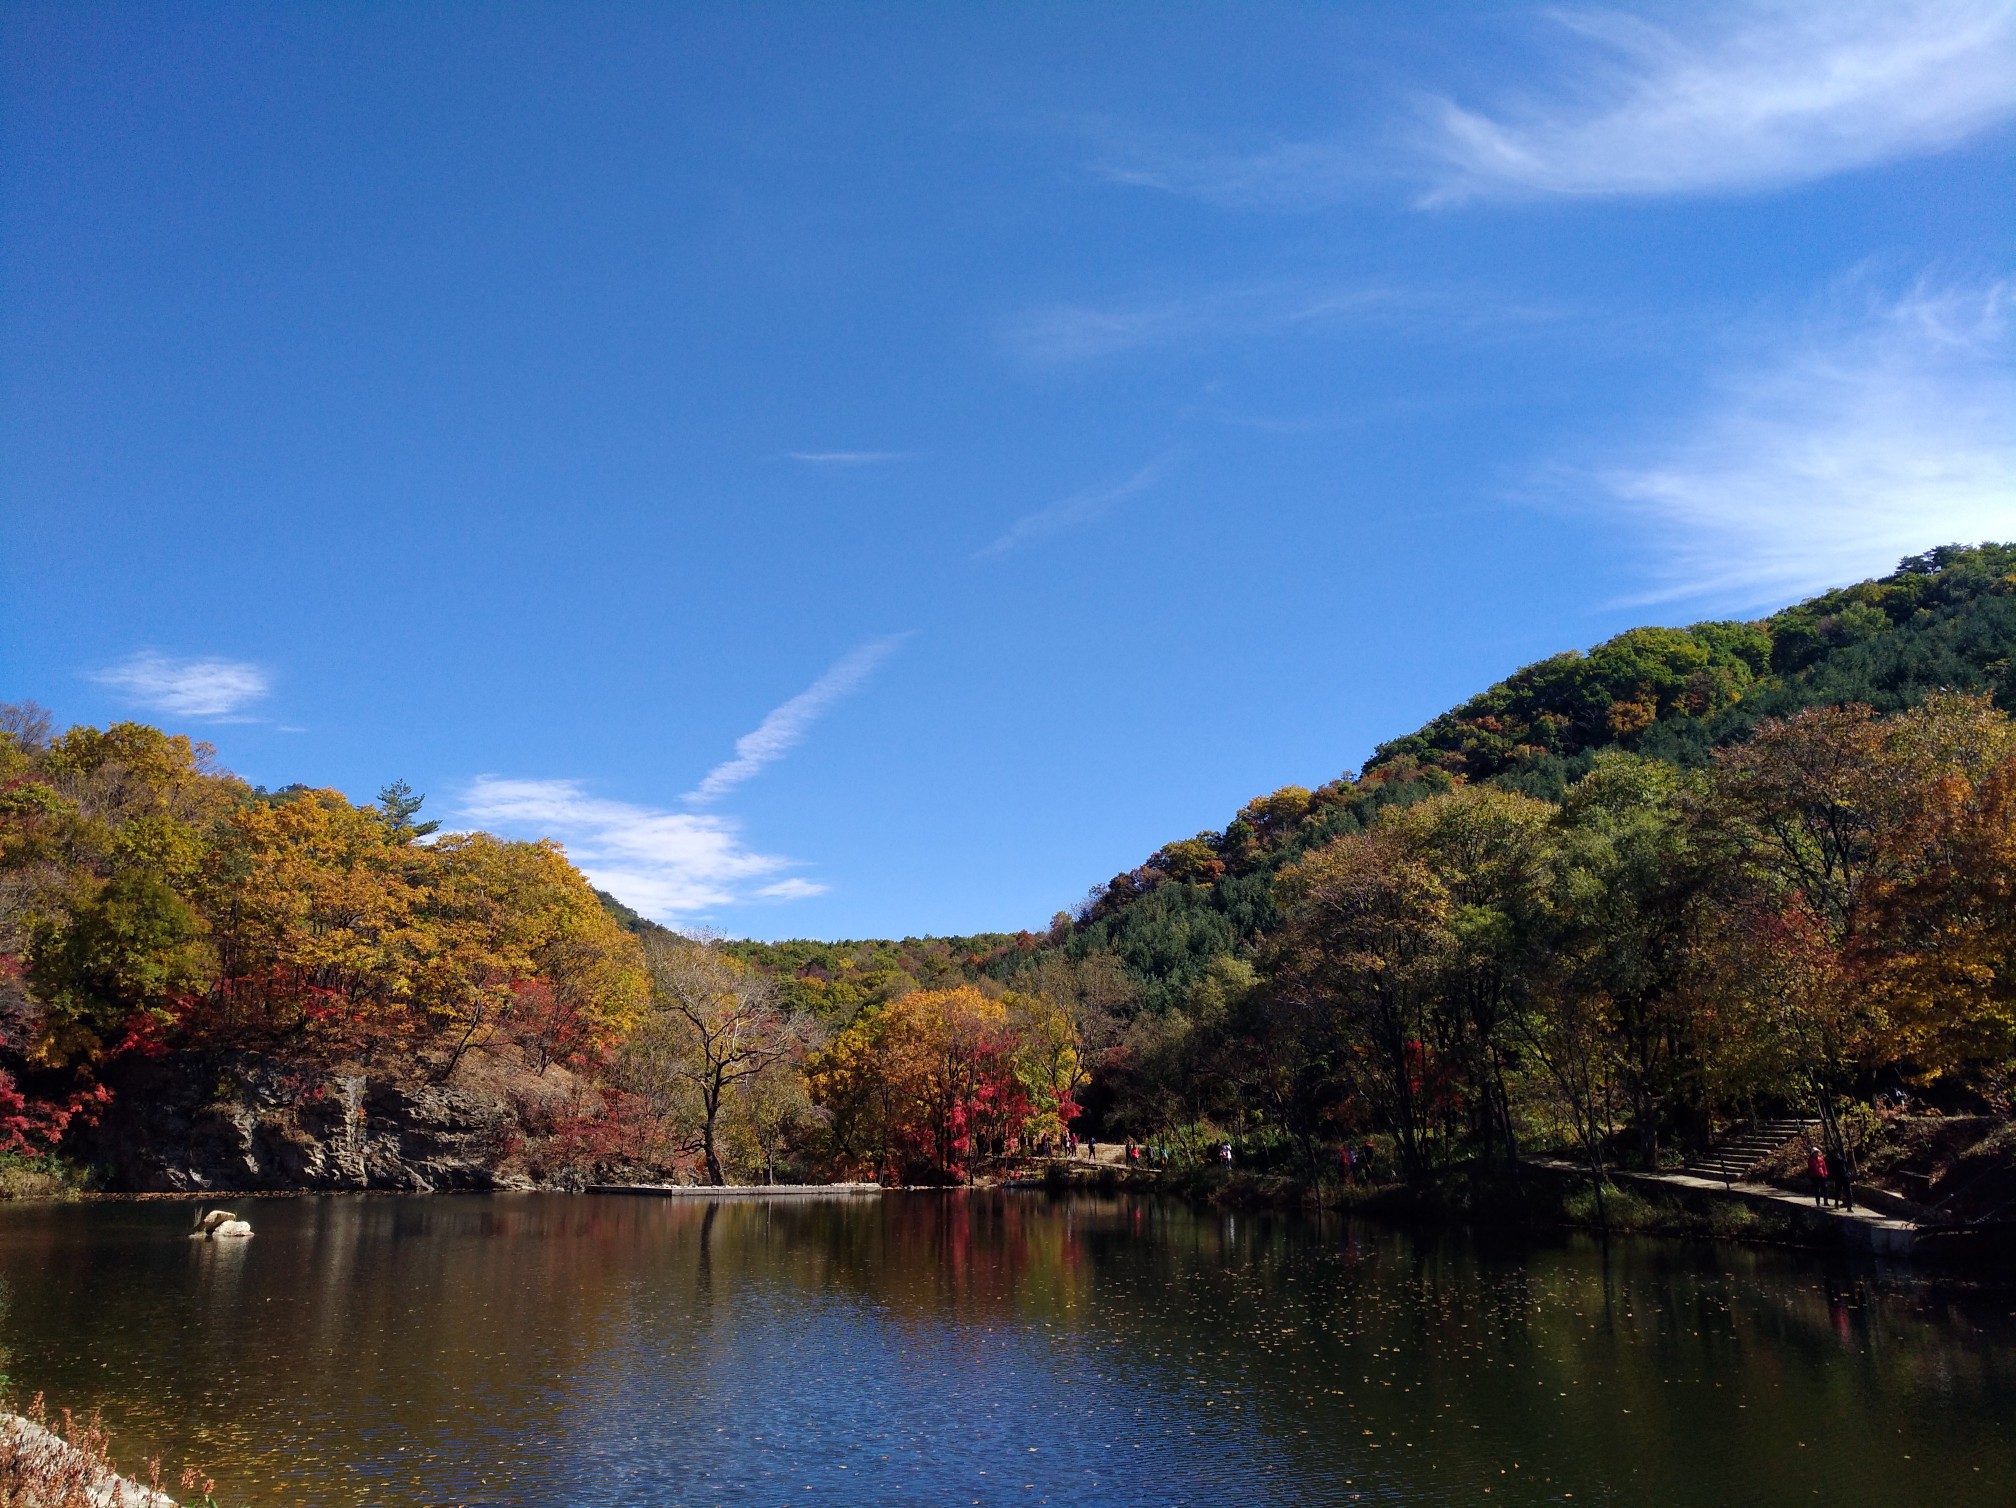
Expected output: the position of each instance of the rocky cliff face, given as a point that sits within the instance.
(241, 1121)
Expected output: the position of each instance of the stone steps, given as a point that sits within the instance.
(1735, 1156)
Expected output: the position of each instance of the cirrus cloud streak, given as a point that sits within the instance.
(1070, 512)
(781, 730)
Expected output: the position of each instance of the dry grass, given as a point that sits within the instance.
(70, 1466)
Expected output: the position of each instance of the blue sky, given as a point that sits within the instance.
(881, 469)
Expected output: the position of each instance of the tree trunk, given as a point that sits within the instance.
(1501, 1096)
(1594, 1146)
(1646, 1110)
(707, 1144)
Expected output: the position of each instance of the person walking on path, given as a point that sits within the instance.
(1816, 1172)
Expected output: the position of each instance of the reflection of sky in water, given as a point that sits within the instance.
(840, 1403)
(542, 1350)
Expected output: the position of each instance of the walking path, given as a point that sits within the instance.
(1867, 1228)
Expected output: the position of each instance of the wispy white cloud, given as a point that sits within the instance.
(1725, 96)
(1734, 96)
(207, 688)
(666, 864)
(673, 865)
(849, 457)
(1070, 512)
(1292, 175)
(1856, 443)
(1076, 332)
(793, 889)
(1063, 333)
(780, 732)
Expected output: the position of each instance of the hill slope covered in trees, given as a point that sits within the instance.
(1610, 900)
(1945, 619)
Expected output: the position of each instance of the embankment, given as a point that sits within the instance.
(235, 1122)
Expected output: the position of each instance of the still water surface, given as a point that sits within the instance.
(918, 1348)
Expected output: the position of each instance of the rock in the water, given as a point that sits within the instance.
(232, 1230)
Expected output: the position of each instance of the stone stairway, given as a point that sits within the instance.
(1734, 1156)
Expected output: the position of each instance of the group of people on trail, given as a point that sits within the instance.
(1354, 1163)
(1818, 1173)
(1132, 1153)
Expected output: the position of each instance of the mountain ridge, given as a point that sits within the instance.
(1944, 619)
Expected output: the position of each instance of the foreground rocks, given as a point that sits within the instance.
(243, 1121)
(40, 1469)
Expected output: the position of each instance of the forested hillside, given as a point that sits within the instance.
(1612, 898)
(205, 984)
(1944, 619)
(1608, 901)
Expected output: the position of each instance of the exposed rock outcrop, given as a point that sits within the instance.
(244, 1121)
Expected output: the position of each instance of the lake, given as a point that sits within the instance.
(992, 1349)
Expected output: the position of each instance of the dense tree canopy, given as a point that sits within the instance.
(924, 1086)
(1943, 621)
(1612, 898)
(150, 902)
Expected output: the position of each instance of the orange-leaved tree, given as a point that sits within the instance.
(935, 1079)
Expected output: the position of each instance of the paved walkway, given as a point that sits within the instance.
(1861, 1227)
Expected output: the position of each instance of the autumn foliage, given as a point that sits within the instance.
(151, 903)
(1614, 900)
(1824, 910)
(924, 1087)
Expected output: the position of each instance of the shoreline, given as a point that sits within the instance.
(1548, 1197)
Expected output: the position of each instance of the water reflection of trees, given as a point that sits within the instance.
(1588, 1366)
(1687, 1372)
(1695, 1371)
(411, 1338)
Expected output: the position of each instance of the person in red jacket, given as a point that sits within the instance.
(1816, 1170)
